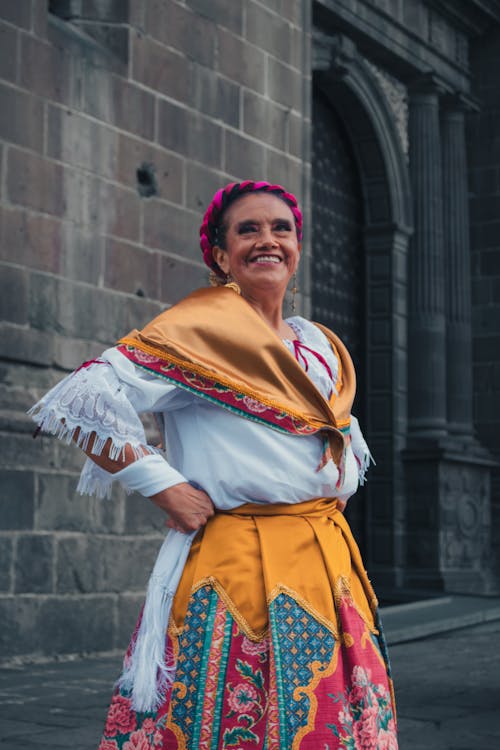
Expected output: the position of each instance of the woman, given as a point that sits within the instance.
(259, 628)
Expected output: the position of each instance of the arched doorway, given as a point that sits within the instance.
(338, 258)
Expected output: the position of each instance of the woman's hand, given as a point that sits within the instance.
(188, 508)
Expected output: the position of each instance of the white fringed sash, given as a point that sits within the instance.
(145, 674)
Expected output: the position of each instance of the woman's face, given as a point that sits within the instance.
(261, 246)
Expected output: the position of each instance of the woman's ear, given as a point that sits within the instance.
(220, 257)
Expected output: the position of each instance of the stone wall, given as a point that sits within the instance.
(115, 130)
(484, 188)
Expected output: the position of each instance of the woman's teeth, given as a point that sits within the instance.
(267, 259)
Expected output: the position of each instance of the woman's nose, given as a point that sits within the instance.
(266, 238)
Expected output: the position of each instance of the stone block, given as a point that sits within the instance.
(142, 516)
(296, 129)
(229, 15)
(60, 508)
(14, 298)
(129, 607)
(118, 102)
(122, 215)
(159, 68)
(179, 278)
(241, 62)
(84, 262)
(284, 84)
(22, 344)
(81, 142)
(111, 11)
(265, 120)
(103, 563)
(285, 170)
(16, 499)
(269, 31)
(132, 269)
(202, 183)
(215, 96)
(71, 625)
(30, 240)
(84, 311)
(168, 168)
(244, 158)
(21, 115)
(190, 33)
(19, 633)
(39, 20)
(9, 40)
(43, 302)
(47, 70)
(6, 554)
(190, 134)
(67, 355)
(34, 564)
(34, 182)
(22, 451)
(17, 12)
(290, 9)
(171, 229)
(113, 39)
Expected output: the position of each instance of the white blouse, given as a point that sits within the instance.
(234, 460)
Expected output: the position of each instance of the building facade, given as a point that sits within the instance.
(118, 121)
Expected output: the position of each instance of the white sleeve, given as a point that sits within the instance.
(105, 397)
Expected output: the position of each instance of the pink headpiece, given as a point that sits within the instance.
(223, 198)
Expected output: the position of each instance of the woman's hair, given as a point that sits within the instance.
(213, 229)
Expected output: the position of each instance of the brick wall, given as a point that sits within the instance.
(97, 111)
(484, 170)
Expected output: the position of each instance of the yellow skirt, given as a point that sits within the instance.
(276, 640)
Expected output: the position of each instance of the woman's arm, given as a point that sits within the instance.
(97, 407)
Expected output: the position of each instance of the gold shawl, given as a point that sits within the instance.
(215, 343)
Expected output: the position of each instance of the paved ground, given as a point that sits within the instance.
(447, 686)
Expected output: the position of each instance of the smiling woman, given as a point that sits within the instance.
(260, 251)
(260, 626)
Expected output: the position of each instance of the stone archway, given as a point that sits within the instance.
(346, 81)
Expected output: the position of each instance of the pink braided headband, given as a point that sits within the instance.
(220, 202)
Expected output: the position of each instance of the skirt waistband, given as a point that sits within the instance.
(317, 507)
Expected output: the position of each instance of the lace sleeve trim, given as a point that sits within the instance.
(361, 451)
(92, 400)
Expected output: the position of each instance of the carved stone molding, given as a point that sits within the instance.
(449, 534)
(397, 97)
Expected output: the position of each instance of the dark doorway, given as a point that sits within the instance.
(338, 262)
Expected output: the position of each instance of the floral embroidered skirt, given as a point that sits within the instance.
(276, 641)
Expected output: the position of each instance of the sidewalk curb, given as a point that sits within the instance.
(421, 619)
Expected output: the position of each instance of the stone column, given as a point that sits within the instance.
(426, 311)
(447, 521)
(459, 389)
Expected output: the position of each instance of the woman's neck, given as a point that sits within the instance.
(270, 310)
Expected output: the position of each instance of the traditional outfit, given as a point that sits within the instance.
(261, 630)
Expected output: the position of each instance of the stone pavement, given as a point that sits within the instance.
(447, 687)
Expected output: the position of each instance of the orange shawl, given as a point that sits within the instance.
(214, 343)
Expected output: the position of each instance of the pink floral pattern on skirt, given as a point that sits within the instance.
(301, 687)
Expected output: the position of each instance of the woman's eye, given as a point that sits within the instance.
(246, 228)
(283, 226)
